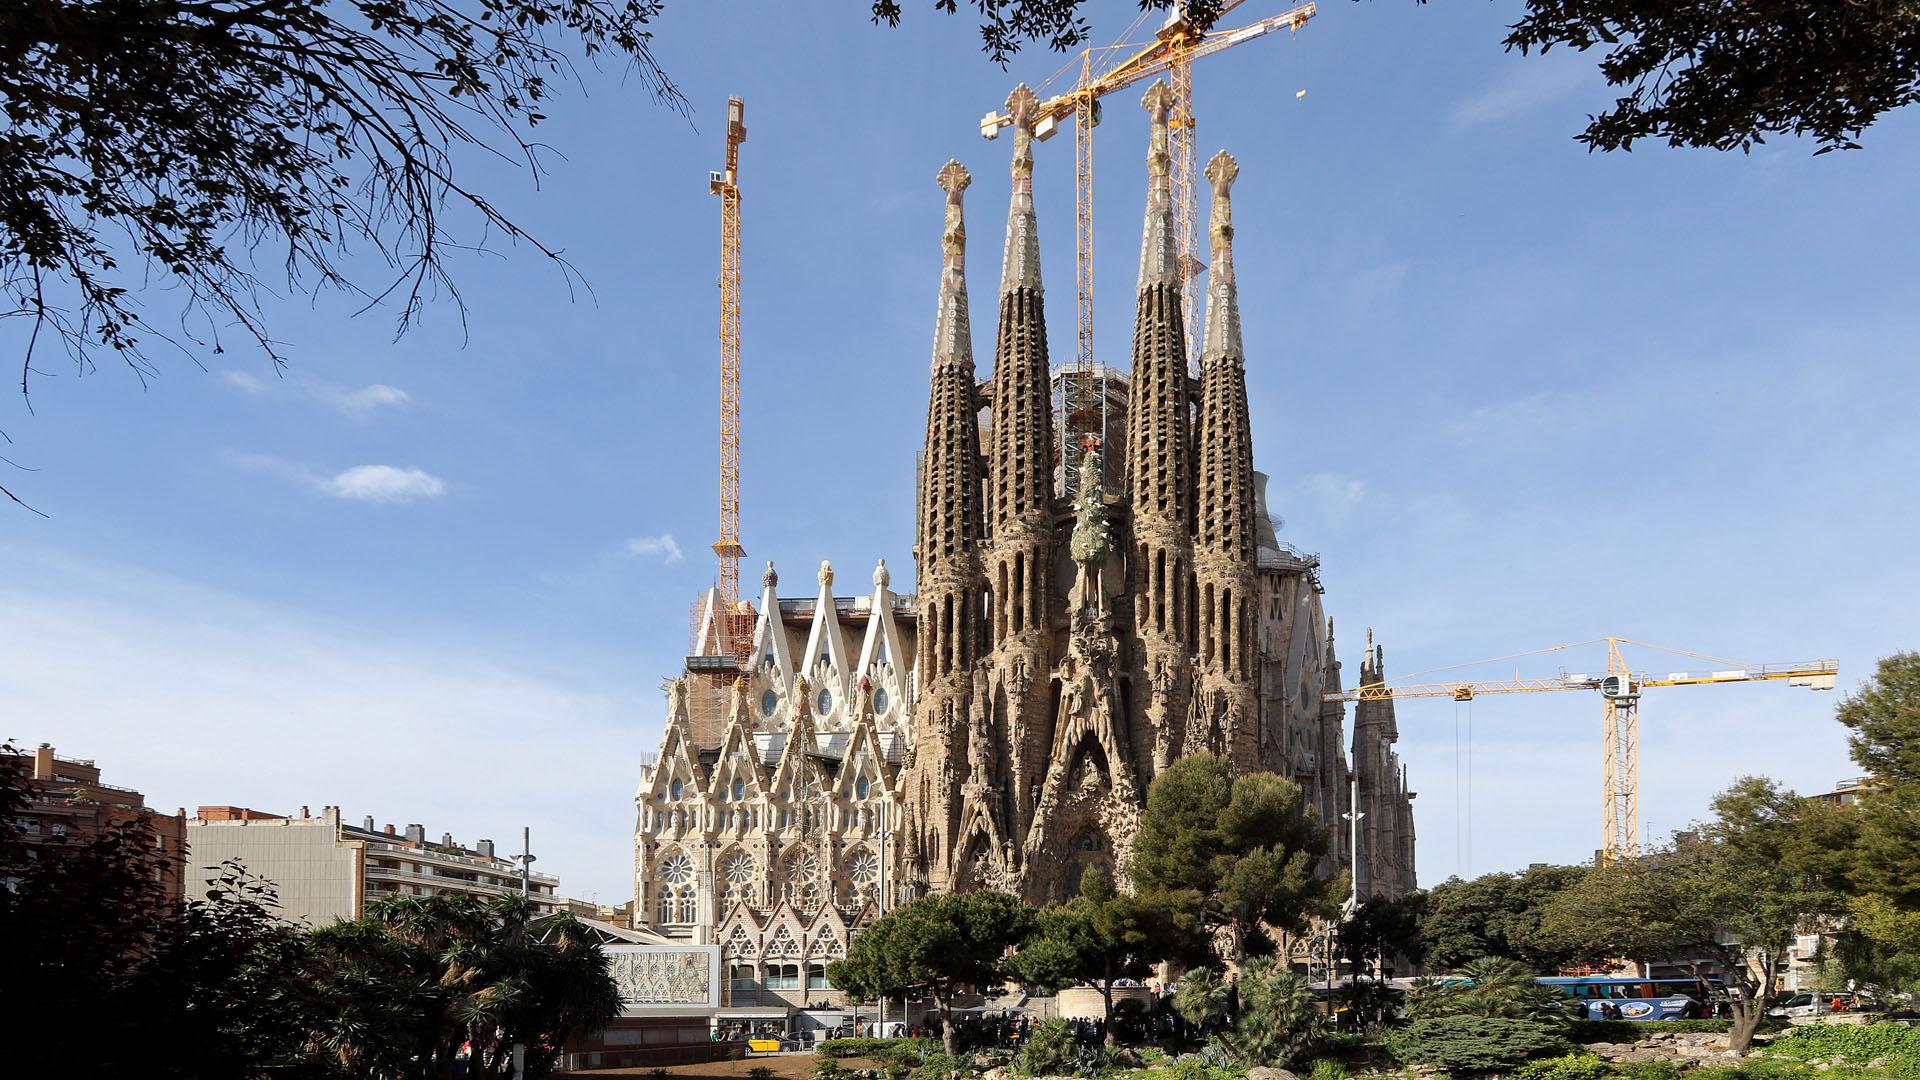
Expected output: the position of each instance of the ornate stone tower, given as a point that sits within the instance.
(1020, 523)
(1225, 706)
(948, 553)
(1160, 466)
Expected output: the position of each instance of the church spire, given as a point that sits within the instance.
(1223, 294)
(950, 514)
(1021, 449)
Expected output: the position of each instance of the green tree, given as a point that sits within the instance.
(1494, 987)
(410, 982)
(1201, 998)
(1100, 936)
(936, 945)
(1702, 73)
(1241, 852)
(1729, 896)
(1381, 928)
(110, 975)
(1277, 1017)
(1496, 915)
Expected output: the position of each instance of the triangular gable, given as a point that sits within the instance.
(826, 663)
(770, 649)
(743, 938)
(883, 655)
(784, 942)
(739, 758)
(863, 757)
(707, 640)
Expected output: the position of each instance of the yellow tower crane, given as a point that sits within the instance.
(738, 625)
(1174, 48)
(1619, 689)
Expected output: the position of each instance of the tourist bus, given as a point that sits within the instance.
(1635, 998)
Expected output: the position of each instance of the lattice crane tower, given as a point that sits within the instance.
(726, 184)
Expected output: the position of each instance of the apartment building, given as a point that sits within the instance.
(67, 803)
(325, 869)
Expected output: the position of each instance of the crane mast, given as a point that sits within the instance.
(737, 625)
(1620, 690)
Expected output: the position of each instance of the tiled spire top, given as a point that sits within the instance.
(1021, 266)
(1223, 295)
(952, 330)
(1158, 264)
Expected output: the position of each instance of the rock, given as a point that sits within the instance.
(1879, 1063)
(1262, 1072)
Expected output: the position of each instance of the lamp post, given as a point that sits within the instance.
(1353, 816)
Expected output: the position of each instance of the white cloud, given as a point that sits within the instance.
(1516, 417)
(1526, 85)
(359, 403)
(268, 706)
(1341, 491)
(385, 483)
(664, 546)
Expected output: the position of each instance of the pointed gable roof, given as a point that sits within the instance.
(769, 635)
(824, 639)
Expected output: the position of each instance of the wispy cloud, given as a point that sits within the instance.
(1337, 489)
(90, 653)
(364, 483)
(1528, 84)
(1519, 416)
(664, 547)
(385, 483)
(358, 403)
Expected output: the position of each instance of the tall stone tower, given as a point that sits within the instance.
(947, 550)
(1160, 466)
(1224, 708)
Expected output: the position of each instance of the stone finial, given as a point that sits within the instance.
(1158, 101)
(952, 329)
(1158, 264)
(1020, 265)
(826, 575)
(1222, 339)
(769, 578)
(882, 577)
(1021, 105)
(1221, 172)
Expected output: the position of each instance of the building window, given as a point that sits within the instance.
(739, 789)
(817, 977)
(783, 977)
(825, 701)
(673, 791)
(861, 789)
(741, 977)
(737, 876)
(769, 701)
(880, 700)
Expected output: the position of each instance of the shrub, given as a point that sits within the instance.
(659, 1074)
(1475, 1043)
(1277, 1015)
(824, 1068)
(1191, 1067)
(1566, 1067)
(1329, 1069)
(1855, 1044)
(1050, 1050)
(874, 1048)
(760, 1072)
(939, 1066)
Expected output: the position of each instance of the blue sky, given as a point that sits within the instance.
(1516, 395)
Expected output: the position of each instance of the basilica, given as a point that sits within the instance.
(1098, 590)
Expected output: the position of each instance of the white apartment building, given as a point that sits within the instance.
(325, 869)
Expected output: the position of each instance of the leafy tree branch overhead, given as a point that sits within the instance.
(172, 149)
(1718, 74)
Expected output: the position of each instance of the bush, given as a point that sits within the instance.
(1475, 1043)
(1191, 1067)
(875, 1048)
(824, 1068)
(1567, 1067)
(760, 1072)
(1854, 1044)
(1329, 1069)
(939, 1066)
(1049, 1051)
(1277, 1015)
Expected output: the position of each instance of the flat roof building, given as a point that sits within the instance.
(325, 869)
(68, 804)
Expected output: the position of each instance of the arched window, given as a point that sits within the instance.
(769, 701)
(880, 701)
(677, 904)
(824, 703)
(739, 789)
(737, 878)
(673, 790)
(861, 788)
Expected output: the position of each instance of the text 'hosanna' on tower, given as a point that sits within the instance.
(1079, 622)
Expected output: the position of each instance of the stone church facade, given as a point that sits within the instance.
(1084, 615)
